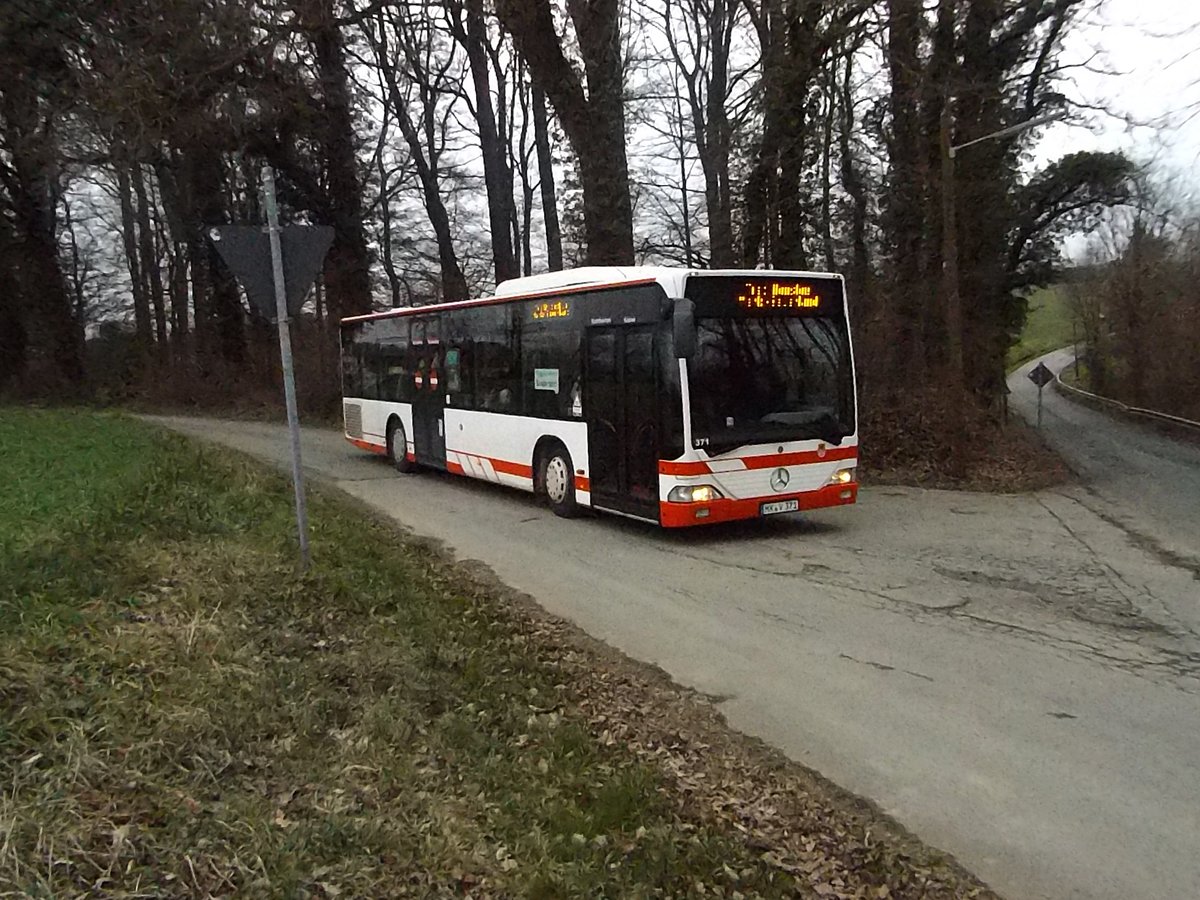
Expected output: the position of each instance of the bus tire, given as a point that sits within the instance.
(556, 478)
(396, 439)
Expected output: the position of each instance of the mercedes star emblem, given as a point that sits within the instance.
(780, 479)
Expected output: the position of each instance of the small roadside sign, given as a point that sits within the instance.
(1040, 375)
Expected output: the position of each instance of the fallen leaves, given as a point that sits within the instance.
(794, 821)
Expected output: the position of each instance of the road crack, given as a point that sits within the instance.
(884, 667)
(1134, 616)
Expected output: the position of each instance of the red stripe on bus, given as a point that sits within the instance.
(510, 468)
(505, 467)
(800, 458)
(766, 461)
(367, 445)
(500, 465)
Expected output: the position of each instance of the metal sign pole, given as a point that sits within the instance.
(1039, 406)
(285, 353)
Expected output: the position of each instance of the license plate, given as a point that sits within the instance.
(779, 506)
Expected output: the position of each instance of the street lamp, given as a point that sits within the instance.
(1011, 130)
(953, 302)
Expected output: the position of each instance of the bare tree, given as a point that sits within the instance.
(595, 121)
(541, 137)
(469, 28)
(700, 36)
(424, 69)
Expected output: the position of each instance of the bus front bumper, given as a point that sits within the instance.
(685, 515)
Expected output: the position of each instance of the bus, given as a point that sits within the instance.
(674, 396)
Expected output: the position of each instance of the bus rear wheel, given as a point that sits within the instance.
(556, 476)
(397, 448)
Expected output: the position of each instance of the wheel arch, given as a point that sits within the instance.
(544, 446)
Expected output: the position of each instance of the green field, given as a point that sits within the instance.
(181, 714)
(1047, 326)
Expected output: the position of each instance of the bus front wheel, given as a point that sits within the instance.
(557, 480)
(397, 447)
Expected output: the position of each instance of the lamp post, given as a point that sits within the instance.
(953, 302)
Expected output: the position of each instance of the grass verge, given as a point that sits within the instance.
(1048, 326)
(182, 714)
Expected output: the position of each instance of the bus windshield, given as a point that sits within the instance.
(777, 378)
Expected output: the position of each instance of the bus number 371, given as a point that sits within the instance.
(675, 396)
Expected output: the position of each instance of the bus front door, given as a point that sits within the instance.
(429, 403)
(621, 409)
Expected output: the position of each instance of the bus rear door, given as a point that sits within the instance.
(429, 404)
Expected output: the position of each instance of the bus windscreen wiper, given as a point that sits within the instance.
(824, 425)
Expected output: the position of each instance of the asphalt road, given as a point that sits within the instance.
(1015, 678)
(1146, 482)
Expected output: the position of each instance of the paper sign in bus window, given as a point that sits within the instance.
(545, 380)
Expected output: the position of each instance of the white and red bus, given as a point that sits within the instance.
(675, 396)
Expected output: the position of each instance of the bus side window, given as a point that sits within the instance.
(494, 362)
(372, 362)
(458, 372)
(393, 341)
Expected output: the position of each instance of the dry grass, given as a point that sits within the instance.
(181, 714)
(906, 440)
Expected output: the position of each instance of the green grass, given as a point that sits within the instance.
(1047, 326)
(181, 714)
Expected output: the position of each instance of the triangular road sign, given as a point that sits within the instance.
(246, 249)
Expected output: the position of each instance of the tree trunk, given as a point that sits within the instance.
(347, 268)
(595, 124)
(937, 91)
(520, 161)
(178, 279)
(385, 208)
(541, 139)
(906, 193)
(32, 153)
(719, 141)
(129, 239)
(496, 176)
(984, 176)
(852, 180)
(829, 113)
(685, 206)
(219, 316)
(151, 272)
(13, 338)
(178, 226)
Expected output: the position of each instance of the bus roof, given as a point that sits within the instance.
(583, 278)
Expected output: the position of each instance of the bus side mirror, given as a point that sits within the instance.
(684, 328)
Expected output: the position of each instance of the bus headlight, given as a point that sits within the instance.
(842, 476)
(694, 493)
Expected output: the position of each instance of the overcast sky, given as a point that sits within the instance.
(1145, 64)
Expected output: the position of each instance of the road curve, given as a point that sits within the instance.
(1012, 677)
(1146, 482)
